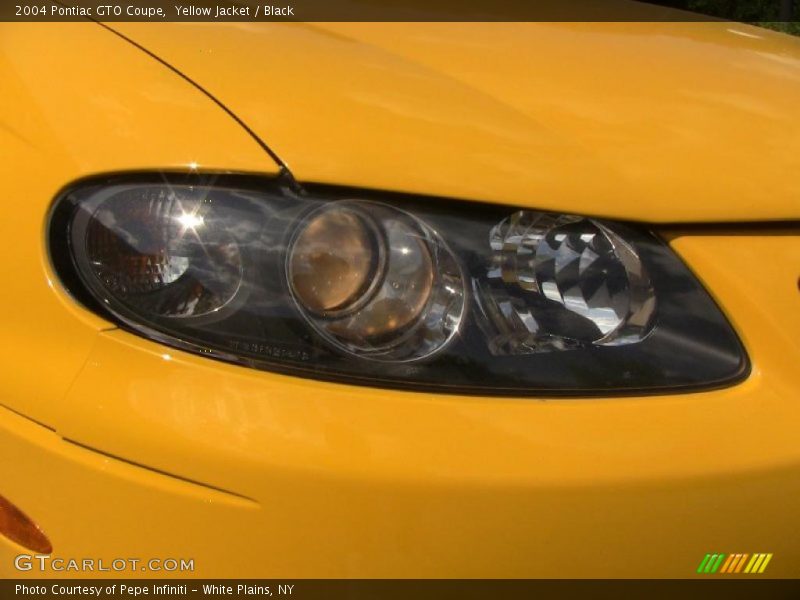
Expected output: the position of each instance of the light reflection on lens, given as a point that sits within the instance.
(161, 254)
(560, 281)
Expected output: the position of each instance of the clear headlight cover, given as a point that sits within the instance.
(391, 290)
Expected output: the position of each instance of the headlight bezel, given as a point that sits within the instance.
(432, 211)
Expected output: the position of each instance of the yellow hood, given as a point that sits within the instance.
(660, 122)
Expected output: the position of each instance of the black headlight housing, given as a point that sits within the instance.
(391, 290)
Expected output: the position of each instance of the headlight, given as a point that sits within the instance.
(391, 290)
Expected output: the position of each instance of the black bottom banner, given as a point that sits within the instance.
(389, 589)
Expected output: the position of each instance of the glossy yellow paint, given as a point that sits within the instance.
(145, 451)
(76, 494)
(76, 101)
(349, 481)
(656, 122)
(364, 482)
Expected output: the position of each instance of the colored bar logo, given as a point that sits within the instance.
(734, 563)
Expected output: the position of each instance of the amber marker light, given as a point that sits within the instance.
(18, 527)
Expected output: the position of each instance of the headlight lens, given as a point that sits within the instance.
(375, 281)
(396, 291)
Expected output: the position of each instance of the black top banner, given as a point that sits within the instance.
(775, 11)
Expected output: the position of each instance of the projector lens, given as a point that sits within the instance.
(333, 261)
(385, 272)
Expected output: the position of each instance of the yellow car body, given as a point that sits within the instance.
(117, 446)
